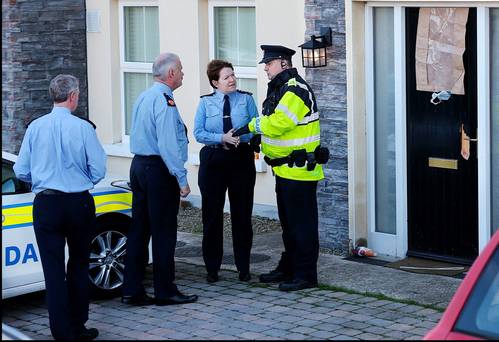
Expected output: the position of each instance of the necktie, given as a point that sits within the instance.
(226, 115)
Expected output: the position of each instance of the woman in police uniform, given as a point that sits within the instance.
(226, 163)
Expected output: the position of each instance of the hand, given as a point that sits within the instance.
(241, 131)
(255, 143)
(228, 138)
(184, 191)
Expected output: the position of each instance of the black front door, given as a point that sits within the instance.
(442, 186)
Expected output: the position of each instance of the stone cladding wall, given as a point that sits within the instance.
(40, 39)
(330, 87)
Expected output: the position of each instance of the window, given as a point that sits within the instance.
(384, 120)
(233, 38)
(139, 30)
(10, 184)
(480, 315)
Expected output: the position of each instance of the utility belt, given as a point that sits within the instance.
(300, 157)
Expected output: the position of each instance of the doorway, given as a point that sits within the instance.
(442, 186)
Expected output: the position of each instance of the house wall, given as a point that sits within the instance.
(330, 86)
(35, 48)
(186, 33)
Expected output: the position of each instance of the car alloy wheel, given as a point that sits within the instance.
(106, 263)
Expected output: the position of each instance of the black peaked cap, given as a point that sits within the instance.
(271, 52)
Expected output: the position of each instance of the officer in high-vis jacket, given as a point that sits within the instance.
(290, 140)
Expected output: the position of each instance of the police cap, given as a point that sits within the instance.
(271, 52)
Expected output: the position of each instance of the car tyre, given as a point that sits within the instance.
(107, 256)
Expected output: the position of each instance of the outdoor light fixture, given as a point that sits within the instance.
(313, 52)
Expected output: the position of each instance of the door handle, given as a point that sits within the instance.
(471, 139)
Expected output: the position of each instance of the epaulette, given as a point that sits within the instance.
(244, 92)
(207, 95)
(169, 101)
(30, 121)
(87, 120)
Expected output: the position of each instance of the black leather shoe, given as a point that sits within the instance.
(296, 284)
(179, 298)
(87, 334)
(244, 276)
(212, 277)
(274, 276)
(141, 300)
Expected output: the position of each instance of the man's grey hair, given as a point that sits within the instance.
(61, 86)
(164, 63)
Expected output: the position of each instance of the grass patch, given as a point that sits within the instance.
(379, 296)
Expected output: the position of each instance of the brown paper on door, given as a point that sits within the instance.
(440, 45)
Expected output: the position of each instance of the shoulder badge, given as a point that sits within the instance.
(244, 92)
(169, 101)
(292, 82)
(87, 120)
(207, 95)
(30, 121)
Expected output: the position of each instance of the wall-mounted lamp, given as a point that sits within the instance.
(313, 52)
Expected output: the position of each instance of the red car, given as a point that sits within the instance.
(473, 312)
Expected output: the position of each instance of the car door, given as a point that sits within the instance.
(21, 264)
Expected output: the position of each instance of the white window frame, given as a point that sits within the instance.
(136, 67)
(384, 243)
(241, 72)
(397, 244)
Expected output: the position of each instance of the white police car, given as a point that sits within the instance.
(21, 265)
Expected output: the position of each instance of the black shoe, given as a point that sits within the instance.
(178, 298)
(244, 276)
(140, 300)
(87, 334)
(296, 284)
(274, 276)
(212, 277)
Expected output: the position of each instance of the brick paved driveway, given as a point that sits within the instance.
(230, 309)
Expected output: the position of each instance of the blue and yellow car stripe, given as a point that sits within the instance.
(21, 214)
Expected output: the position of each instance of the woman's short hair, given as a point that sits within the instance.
(61, 86)
(213, 70)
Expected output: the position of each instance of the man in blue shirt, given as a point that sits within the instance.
(159, 141)
(62, 159)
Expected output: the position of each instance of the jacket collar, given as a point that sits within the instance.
(283, 77)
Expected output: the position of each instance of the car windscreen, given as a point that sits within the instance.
(480, 316)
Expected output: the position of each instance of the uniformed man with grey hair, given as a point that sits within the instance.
(62, 159)
(158, 139)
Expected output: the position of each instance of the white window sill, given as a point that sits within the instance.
(118, 150)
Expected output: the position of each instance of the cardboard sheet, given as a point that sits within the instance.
(440, 44)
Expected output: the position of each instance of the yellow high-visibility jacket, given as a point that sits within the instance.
(290, 122)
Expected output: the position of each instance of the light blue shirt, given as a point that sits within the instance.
(208, 123)
(61, 152)
(158, 129)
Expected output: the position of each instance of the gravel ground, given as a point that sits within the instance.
(189, 220)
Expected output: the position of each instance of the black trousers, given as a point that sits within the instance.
(57, 219)
(298, 213)
(156, 198)
(221, 171)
